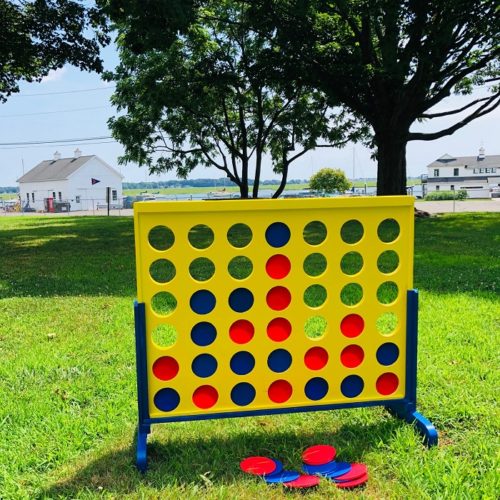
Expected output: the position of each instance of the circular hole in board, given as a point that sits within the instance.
(205, 397)
(279, 360)
(351, 294)
(388, 230)
(278, 298)
(352, 386)
(241, 331)
(387, 354)
(316, 358)
(278, 266)
(280, 391)
(279, 329)
(277, 234)
(314, 233)
(315, 295)
(167, 399)
(352, 356)
(239, 235)
(315, 327)
(352, 231)
(241, 300)
(165, 368)
(315, 264)
(202, 302)
(203, 333)
(240, 267)
(387, 292)
(316, 388)
(200, 236)
(201, 269)
(243, 394)
(387, 323)
(164, 335)
(351, 263)
(161, 238)
(352, 325)
(387, 384)
(388, 261)
(162, 271)
(163, 303)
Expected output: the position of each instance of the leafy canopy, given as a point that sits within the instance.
(329, 180)
(213, 98)
(38, 36)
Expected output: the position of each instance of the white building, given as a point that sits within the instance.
(478, 175)
(63, 184)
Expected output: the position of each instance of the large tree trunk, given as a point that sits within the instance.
(391, 171)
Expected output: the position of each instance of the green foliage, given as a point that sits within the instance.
(461, 194)
(39, 36)
(208, 99)
(329, 180)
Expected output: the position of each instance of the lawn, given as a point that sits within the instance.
(67, 378)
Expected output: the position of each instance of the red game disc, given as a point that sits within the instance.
(357, 471)
(352, 484)
(258, 465)
(303, 482)
(319, 454)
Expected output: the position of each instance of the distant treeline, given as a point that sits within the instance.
(218, 183)
(9, 189)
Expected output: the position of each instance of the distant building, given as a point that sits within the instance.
(64, 184)
(478, 175)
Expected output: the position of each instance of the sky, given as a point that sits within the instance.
(70, 104)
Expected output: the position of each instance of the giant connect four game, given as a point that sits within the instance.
(248, 307)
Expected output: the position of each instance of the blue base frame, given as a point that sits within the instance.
(401, 408)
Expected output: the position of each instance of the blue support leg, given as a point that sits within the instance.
(142, 447)
(407, 410)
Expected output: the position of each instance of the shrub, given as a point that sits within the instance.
(461, 194)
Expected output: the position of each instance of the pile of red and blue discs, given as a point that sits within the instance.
(318, 461)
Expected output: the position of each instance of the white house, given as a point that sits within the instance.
(478, 175)
(63, 184)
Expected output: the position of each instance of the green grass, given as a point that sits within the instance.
(67, 377)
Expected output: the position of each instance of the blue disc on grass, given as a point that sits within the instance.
(203, 333)
(387, 353)
(342, 468)
(242, 363)
(202, 302)
(241, 300)
(204, 365)
(243, 394)
(281, 477)
(277, 234)
(279, 360)
(330, 469)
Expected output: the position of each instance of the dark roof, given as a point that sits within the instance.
(54, 170)
(470, 161)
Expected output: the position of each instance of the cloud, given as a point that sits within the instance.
(54, 75)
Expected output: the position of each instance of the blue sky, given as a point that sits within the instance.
(76, 105)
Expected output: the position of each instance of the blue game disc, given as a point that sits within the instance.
(282, 477)
(342, 468)
(279, 467)
(330, 469)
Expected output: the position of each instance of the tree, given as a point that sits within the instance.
(209, 99)
(390, 62)
(329, 180)
(42, 35)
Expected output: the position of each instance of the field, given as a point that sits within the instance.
(67, 378)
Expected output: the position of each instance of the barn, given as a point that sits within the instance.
(69, 184)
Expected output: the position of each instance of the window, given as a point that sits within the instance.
(28, 197)
(481, 170)
(452, 187)
(455, 172)
(493, 170)
(77, 199)
(487, 170)
(114, 194)
(33, 197)
(60, 196)
(436, 172)
(437, 188)
(54, 195)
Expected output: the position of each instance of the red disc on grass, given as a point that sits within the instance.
(387, 383)
(303, 482)
(241, 331)
(258, 465)
(352, 356)
(357, 471)
(165, 368)
(205, 396)
(280, 391)
(278, 298)
(352, 484)
(278, 266)
(279, 329)
(316, 358)
(352, 325)
(319, 454)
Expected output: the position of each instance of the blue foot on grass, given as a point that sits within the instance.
(142, 449)
(424, 426)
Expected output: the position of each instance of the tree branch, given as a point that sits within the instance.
(455, 111)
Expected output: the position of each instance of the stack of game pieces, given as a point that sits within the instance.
(320, 460)
(272, 472)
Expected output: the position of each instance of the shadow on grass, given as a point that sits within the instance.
(88, 256)
(181, 463)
